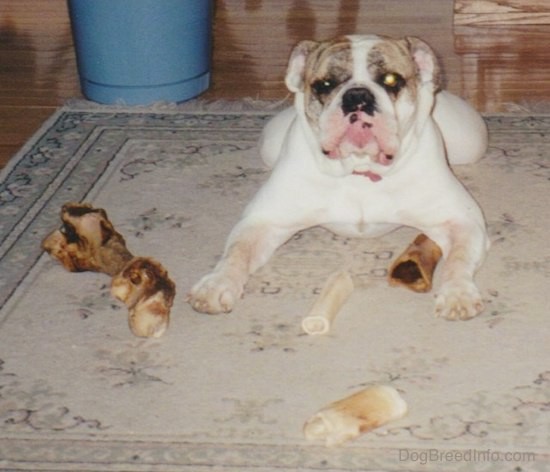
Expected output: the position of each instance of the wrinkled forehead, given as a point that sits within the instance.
(332, 58)
(362, 57)
(390, 55)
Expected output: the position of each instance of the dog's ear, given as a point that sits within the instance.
(427, 63)
(294, 79)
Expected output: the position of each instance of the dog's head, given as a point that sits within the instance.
(361, 96)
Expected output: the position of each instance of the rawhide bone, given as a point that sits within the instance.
(363, 411)
(414, 268)
(87, 241)
(335, 292)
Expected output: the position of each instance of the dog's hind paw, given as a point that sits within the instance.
(214, 294)
(458, 302)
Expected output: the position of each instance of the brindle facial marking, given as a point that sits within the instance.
(393, 56)
(328, 63)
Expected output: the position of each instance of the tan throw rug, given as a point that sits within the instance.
(232, 392)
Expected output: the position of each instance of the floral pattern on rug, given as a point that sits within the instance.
(37, 407)
(232, 391)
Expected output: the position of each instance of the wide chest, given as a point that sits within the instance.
(353, 212)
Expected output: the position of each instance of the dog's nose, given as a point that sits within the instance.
(358, 99)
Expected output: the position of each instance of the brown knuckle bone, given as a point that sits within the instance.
(87, 241)
(148, 292)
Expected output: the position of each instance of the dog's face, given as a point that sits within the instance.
(361, 95)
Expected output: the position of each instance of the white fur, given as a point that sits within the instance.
(418, 190)
(463, 129)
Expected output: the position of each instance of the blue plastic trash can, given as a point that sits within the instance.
(137, 52)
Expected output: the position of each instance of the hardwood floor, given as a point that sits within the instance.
(490, 66)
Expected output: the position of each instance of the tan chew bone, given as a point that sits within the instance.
(363, 411)
(414, 268)
(336, 291)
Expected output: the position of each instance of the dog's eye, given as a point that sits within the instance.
(391, 81)
(324, 86)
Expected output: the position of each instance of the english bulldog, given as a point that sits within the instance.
(364, 149)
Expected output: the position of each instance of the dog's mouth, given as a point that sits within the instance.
(373, 176)
(360, 135)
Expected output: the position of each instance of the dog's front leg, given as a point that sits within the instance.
(249, 247)
(458, 297)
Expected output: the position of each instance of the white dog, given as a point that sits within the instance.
(364, 150)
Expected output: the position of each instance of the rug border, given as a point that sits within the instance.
(108, 109)
(199, 105)
(30, 142)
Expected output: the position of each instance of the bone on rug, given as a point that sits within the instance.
(88, 241)
(414, 268)
(334, 294)
(352, 416)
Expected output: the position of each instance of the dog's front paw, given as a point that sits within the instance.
(458, 301)
(214, 293)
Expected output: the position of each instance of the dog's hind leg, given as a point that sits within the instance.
(274, 135)
(463, 129)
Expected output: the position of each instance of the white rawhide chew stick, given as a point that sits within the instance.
(363, 411)
(336, 291)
